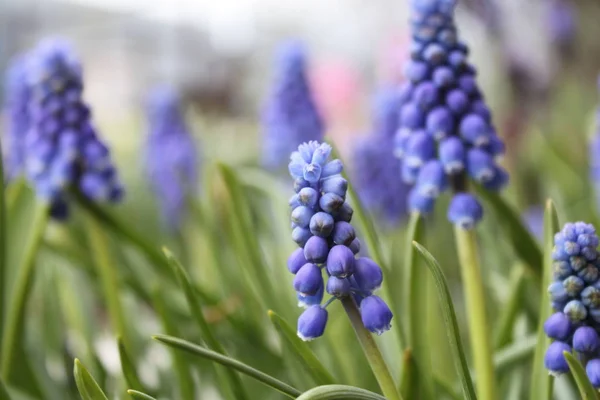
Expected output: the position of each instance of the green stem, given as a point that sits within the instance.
(374, 357)
(481, 349)
(105, 268)
(125, 230)
(22, 286)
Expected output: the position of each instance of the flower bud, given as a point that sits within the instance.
(375, 314)
(340, 261)
(312, 322)
(308, 280)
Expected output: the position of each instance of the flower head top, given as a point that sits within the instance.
(290, 116)
(17, 119)
(62, 149)
(446, 133)
(375, 169)
(171, 156)
(321, 228)
(575, 296)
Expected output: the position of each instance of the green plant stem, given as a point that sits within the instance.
(16, 313)
(481, 349)
(374, 357)
(105, 268)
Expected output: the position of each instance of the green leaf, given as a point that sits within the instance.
(511, 309)
(87, 386)
(541, 381)
(515, 354)
(418, 332)
(339, 392)
(229, 363)
(460, 360)
(128, 367)
(586, 390)
(139, 395)
(3, 261)
(207, 334)
(15, 317)
(304, 354)
(523, 242)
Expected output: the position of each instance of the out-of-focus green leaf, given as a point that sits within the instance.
(139, 395)
(210, 339)
(523, 242)
(460, 360)
(586, 390)
(511, 309)
(306, 357)
(541, 381)
(515, 354)
(87, 386)
(3, 391)
(128, 367)
(3, 272)
(230, 363)
(15, 316)
(339, 392)
(408, 374)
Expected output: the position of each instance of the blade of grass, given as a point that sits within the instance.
(208, 336)
(199, 351)
(13, 329)
(586, 390)
(139, 395)
(87, 386)
(417, 299)
(460, 360)
(541, 381)
(129, 371)
(303, 353)
(339, 392)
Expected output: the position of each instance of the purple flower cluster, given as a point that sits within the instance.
(290, 116)
(171, 155)
(575, 296)
(446, 132)
(375, 167)
(17, 119)
(62, 149)
(328, 244)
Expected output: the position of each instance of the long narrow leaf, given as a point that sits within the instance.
(541, 381)
(303, 353)
(339, 392)
(586, 390)
(523, 242)
(416, 289)
(4, 392)
(460, 360)
(515, 354)
(128, 367)
(230, 363)
(139, 395)
(87, 386)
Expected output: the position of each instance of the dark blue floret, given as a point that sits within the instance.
(62, 150)
(444, 116)
(554, 360)
(321, 226)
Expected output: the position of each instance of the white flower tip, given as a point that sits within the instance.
(304, 338)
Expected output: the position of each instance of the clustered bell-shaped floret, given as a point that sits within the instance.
(446, 133)
(328, 244)
(575, 296)
(62, 150)
(171, 159)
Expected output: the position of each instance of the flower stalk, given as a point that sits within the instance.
(374, 357)
(481, 349)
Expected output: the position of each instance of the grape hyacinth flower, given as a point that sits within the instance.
(328, 245)
(375, 167)
(17, 118)
(171, 156)
(62, 150)
(446, 133)
(290, 116)
(575, 297)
